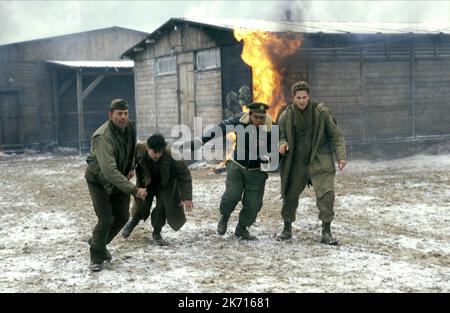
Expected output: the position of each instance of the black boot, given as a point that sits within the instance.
(287, 231)
(157, 238)
(95, 267)
(128, 228)
(327, 238)
(222, 226)
(242, 232)
(108, 256)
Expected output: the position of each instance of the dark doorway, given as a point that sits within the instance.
(9, 118)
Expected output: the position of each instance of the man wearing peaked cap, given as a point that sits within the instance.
(258, 107)
(245, 180)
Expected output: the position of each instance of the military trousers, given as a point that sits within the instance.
(246, 185)
(112, 211)
(297, 183)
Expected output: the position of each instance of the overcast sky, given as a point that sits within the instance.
(25, 20)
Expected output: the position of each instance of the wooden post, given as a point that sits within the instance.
(80, 111)
(56, 103)
(413, 105)
(363, 105)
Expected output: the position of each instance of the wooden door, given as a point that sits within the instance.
(9, 118)
(186, 94)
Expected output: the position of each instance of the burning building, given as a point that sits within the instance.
(387, 84)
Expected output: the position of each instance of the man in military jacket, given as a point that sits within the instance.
(110, 167)
(309, 136)
(245, 180)
(165, 178)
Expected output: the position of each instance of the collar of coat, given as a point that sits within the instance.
(245, 119)
(315, 106)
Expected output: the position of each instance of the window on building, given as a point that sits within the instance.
(166, 65)
(207, 59)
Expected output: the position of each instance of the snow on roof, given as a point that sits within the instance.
(305, 27)
(94, 64)
(324, 27)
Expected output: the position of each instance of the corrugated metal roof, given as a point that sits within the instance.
(95, 64)
(325, 27)
(307, 27)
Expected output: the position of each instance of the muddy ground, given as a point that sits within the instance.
(392, 221)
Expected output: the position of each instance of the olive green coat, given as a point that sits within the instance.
(327, 137)
(110, 159)
(175, 178)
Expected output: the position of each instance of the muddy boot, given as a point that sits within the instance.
(327, 238)
(287, 231)
(128, 228)
(95, 267)
(108, 256)
(156, 236)
(222, 226)
(242, 232)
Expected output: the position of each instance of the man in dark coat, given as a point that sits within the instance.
(110, 167)
(309, 135)
(245, 179)
(165, 178)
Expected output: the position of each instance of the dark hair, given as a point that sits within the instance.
(300, 85)
(156, 142)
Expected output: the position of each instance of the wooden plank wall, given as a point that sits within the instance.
(33, 83)
(387, 99)
(156, 96)
(338, 85)
(166, 103)
(145, 88)
(106, 44)
(208, 98)
(432, 97)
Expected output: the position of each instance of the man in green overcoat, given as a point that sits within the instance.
(110, 168)
(165, 178)
(309, 136)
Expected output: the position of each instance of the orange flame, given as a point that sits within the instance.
(264, 52)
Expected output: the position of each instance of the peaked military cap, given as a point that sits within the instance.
(258, 107)
(118, 104)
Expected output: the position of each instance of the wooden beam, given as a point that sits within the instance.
(56, 103)
(413, 91)
(92, 86)
(66, 85)
(80, 111)
(106, 73)
(363, 108)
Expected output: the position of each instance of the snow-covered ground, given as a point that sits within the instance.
(392, 220)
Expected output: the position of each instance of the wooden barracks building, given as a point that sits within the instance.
(56, 91)
(388, 85)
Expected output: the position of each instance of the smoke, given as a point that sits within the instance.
(295, 11)
(6, 21)
(26, 20)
